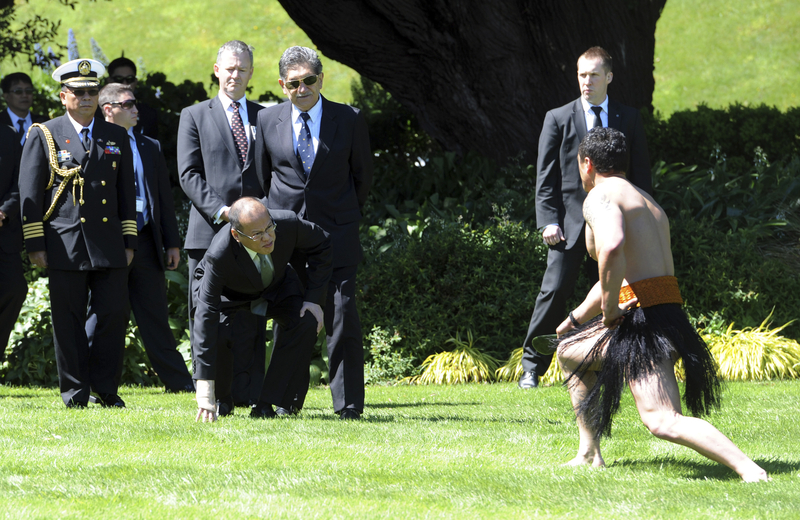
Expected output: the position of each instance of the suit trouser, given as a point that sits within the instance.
(246, 339)
(13, 290)
(80, 367)
(147, 296)
(558, 285)
(285, 383)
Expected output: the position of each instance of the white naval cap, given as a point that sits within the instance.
(80, 73)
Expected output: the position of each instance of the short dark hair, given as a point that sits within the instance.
(599, 52)
(242, 207)
(607, 148)
(122, 61)
(111, 92)
(295, 56)
(15, 77)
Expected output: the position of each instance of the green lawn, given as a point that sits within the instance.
(474, 451)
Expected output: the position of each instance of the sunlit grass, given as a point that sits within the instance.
(465, 451)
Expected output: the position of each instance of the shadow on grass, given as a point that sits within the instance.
(410, 405)
(707, 470)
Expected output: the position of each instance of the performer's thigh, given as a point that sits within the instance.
(658, 392)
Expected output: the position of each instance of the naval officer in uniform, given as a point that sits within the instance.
(79, 220)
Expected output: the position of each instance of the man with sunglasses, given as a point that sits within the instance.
(18, 94)
(313, 157)
(157, 230)
(215, 166)
(79, 221)
(123, 70)
(246, 271)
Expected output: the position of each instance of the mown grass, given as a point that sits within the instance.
(466, 451)
(721, 52)
(181, 37)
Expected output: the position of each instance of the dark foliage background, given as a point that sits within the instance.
(451, 244)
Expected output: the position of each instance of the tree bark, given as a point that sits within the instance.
(481, 74)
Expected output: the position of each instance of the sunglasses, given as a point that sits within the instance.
(308, 81)
(123, 79)
(125, 105)
(20, 91)
(80, 92)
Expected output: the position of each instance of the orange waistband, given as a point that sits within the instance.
(652, 291)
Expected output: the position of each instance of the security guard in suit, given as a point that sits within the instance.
(79, 221)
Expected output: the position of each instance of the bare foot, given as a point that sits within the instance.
(756, 476)
(582, 460)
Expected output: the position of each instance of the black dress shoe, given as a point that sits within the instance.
(263, 410)
(349, 414)
(75, 404)
(189, 389)
(529, 380)
(107, 400)
(224, 407)
(279, 410)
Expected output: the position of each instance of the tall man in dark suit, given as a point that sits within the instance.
(79, 220)
(158, 234)
(313, 157)
(215, 164)
(18, 93)
(246, 270)
(559, 194)
(13, 287)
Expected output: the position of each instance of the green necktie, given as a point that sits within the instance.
(259, 306)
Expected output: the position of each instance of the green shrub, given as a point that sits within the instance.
(430, 283)
(387, 362)
(700, 136)
(30, 353)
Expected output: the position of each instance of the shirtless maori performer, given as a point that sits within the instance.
(630, 329)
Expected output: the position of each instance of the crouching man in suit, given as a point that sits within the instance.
(246, 269)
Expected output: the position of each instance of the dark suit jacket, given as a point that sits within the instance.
(5, 119)
(163, 221)
(79, 235)
(209, 169)
(11, 231)
(336, 189)
(559, 192)
(228, 278)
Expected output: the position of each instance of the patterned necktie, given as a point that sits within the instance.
(85, 141)
(598, 123)
(21, 123)
(305, 145)
(239, 136)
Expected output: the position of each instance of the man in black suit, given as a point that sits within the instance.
(313, 157)
(79, 220)
(123, 70)
(13, 287)
(158, 234)
(246, 270)
(215, 164)
(559, 194)
(18, 93)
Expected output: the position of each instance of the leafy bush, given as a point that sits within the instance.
(30, 353)
(700, 136)
(432, 278)
(387, 362)
(464, 364)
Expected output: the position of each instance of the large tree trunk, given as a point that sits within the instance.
(481, 74)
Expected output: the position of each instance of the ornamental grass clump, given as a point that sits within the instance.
(755, 353)
(512, 370)
(464, 364)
